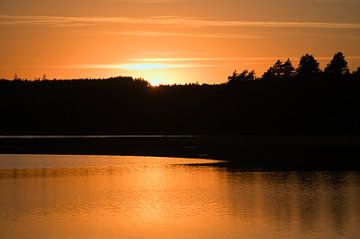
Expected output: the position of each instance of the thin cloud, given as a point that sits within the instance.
(338, 1)
(194, 59)
(180, 62)
(121, 1)
(142, 66)
(172, 34)
(59, 21)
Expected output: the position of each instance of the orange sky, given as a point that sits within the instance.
(171, 41)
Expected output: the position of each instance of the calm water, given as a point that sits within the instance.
(43, 196)
(94, 136)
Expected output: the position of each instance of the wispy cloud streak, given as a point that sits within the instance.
(60, 21)
(121, 1)
(142, 66)
(172, 34)
(194, 59)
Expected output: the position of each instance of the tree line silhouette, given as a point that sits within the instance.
(285, 99)
(308, 69)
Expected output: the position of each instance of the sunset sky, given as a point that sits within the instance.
(171, 41)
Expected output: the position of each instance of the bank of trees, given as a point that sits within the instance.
(284, 100)
(308, 69)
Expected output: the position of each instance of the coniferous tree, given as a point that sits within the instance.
(288, 70)
(356, 74)
(274, 72)
(337, 68)
(308, 68)
(244, 76)
(279, 71)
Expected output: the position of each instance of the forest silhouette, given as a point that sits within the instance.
(284, 100)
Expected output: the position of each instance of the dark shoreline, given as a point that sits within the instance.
(267, 152)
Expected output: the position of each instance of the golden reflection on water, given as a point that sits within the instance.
(146, 197)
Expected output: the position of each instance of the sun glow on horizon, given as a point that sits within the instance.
(158, 71)
(156, 65)
(157, 77)
(154, 81)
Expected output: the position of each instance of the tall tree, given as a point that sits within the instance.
(337, 68)
(279, 71)
(288, 70)
(274, 72)
(308, 68)
(356, 74)
(244, 76)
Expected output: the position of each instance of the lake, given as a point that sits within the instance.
(66, 196)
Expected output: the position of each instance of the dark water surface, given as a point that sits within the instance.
(62, 196)
(95, 136)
